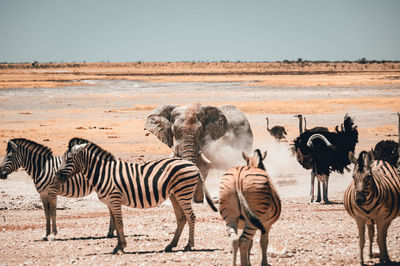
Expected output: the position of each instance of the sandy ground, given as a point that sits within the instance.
(111, 112)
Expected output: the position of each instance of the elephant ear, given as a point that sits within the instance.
(214, 122)
(158, 122)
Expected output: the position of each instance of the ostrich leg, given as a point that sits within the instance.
(318, 191)
(312, 186)
(325, 189)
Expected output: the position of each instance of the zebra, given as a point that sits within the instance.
(373, 197)
(248, 200)
(143, 185)
(40, 163)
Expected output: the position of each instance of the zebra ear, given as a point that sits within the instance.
(77, 148)
(370, 157)
(12, 145)
(352, 158)
(264, 155)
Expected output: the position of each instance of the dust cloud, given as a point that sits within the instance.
(288, 176)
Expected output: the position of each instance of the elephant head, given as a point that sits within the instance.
(187, 129)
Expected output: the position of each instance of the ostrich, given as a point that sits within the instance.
(278, 132)
(324, 152)
(389, 150)
(314, 129)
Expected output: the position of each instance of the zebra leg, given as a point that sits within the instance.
(46, 208)
(382, 234)
(232, 233)
(53, 214)
(180, 221)
(371, 232)
(111, 227)
(361, 235)
(116, 213)
(312, 186)
(244, 244)
(264, 246)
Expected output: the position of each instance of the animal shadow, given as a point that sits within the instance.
(159, 251)
(89, 238)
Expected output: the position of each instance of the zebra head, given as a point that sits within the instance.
(256, 160)
(71, 162)
(362, 175)
(12, 160)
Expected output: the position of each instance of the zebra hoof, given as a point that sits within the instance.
(168, 248)
(188, 248)
(118, 250)
(44, 238)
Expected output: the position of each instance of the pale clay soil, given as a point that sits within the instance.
(112, 114)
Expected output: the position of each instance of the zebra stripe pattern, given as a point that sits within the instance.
(40, 163)
(136, 185)
(373, 197)
(249, 201)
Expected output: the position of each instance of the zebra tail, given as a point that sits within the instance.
(249, 213)
(208, 197)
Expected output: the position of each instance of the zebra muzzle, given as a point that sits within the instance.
(360, 198)
(3, 175)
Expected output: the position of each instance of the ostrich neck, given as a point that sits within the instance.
(301, 125)
(268, 125)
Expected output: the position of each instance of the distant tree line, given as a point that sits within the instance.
(36, 64)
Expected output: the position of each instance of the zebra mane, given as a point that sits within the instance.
(103, 154)
(30, 145)
(361, 160)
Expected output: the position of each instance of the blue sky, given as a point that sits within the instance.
(198, 30)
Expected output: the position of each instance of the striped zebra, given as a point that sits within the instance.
(40, 163)
(143, 185)
(373, 197)
(249, 201)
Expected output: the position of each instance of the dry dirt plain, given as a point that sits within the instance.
(108, 103)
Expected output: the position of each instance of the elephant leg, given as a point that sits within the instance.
(199, 193)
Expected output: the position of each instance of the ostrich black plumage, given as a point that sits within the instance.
(278, 132)
(389, 150)
(324, 152)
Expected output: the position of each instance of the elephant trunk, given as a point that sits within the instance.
(188, 150)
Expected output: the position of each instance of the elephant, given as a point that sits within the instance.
(205, 135)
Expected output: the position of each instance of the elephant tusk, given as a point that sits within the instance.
(172, 155)
(203, 156)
